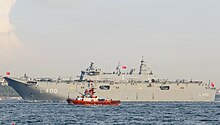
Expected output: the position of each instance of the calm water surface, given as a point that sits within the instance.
(26, 113)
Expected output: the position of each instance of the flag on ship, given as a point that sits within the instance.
(212, 85)
(123, 67)
(7, 73)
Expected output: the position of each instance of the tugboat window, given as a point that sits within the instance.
(104, 87)
(164, 87)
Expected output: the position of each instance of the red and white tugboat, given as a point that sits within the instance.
(90, 99)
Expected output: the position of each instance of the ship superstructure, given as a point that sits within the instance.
(120, 74)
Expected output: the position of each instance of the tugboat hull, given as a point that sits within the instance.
(104, 102)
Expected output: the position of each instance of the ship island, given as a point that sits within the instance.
(133, 85)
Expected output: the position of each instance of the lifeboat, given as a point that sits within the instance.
(91, 99)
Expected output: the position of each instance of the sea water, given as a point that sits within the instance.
(142, 113)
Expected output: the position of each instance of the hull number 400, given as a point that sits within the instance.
(49, 91)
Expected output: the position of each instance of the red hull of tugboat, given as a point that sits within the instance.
(105, 102)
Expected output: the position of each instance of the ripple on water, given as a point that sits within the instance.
(128, 113)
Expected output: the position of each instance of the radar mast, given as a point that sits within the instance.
(143, 67)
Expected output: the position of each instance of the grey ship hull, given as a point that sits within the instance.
(217, 97)
(134, 92)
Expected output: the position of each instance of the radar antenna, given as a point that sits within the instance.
(118, 71)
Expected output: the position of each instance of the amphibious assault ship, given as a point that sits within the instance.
(133, 85)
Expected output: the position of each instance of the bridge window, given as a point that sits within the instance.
(164, 87)
(104, 87)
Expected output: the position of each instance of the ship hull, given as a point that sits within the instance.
(217, 97)
(132, 92)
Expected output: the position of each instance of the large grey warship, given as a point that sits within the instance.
(133, 85)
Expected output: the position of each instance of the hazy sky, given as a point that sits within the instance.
(178, 38)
